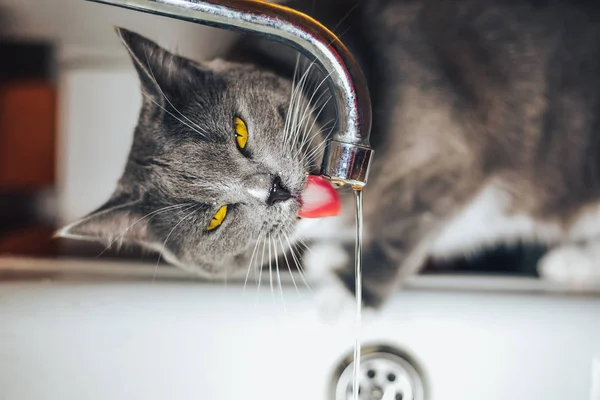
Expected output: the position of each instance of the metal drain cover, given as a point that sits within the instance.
(385, 374)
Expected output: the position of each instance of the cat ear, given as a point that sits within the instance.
(119, 219)
(157, 68)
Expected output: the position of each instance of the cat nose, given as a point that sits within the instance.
(277, 192)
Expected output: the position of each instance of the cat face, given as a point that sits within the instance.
(218, 162)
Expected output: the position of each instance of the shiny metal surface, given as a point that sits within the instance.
(386, 373)
(346, 160)
(308, 36)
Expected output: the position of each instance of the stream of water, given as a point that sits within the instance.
(358, 290)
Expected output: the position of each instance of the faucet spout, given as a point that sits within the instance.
(347, 156)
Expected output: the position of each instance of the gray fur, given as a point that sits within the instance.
(184, 157)
(465, 93)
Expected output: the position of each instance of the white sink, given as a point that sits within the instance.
(77, 330)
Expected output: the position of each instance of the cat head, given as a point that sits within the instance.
(215, 165)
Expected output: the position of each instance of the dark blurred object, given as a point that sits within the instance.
(27, 144)
(25, 61)
(16, 209)
(35, 240)
(517, 260)
(27, 134)
(4, 21)
(27, 116)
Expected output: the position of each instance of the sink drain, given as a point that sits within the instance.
(385, 374)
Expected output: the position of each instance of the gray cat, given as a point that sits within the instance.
(486, 119)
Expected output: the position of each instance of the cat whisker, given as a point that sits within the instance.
(278, 275)
(321, 108)
(297, 105)
(300, 148)
(271, 269)
(291, 109)
(298, 129)
(310, 101)
(256, 261)
(313, 150)
(309, 156)
(308, 138)
(301, 127)
(292, 131)
(293, 123)
(262, 263)
(291, 127)
(299, 241)
(315, 120)
(287, 263)
(167, 239)
(171, 114)
(288, 113)
(303, 243)
(169, 101)
(152, 214)
(296, 261)
(344, 17)
(252, 259)
(328, 128)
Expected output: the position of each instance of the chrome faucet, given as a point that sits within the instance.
(348, 155)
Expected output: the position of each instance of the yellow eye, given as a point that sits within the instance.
(241, 132)
(217, 220)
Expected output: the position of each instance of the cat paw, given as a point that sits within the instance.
(334, 300)
(572, 265)
(322, 260)
(331, 297)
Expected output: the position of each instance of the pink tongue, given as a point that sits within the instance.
(319, 199)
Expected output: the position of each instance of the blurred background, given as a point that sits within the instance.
(69, 101)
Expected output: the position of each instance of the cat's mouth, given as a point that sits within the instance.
(284, 215)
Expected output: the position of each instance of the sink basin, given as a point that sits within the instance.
(82, 330)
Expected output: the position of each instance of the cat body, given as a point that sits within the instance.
(485, 130)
